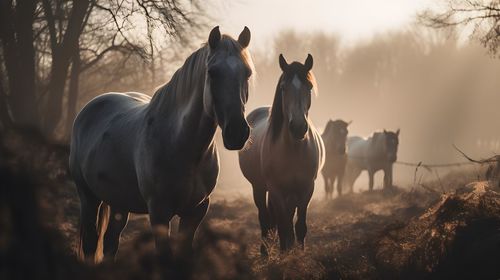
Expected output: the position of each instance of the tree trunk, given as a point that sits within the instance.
(16, 32)
(5, 119)
(61, 57)
(73, 93)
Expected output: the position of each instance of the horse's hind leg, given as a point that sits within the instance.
(351, 174)
(301, 223)
(117, 222)
(259, 198)
(89, 206)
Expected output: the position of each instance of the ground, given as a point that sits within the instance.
(440, 229)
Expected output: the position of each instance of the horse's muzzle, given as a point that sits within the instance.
(235, 134)
(298, 129)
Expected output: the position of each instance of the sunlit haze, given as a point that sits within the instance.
(351, 20)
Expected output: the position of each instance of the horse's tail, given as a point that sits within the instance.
(102, 225)
(79, 250)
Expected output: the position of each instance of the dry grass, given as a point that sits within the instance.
(380, 234)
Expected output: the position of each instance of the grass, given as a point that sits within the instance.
(357, 236)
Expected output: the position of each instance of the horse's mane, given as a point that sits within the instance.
(192, 73)
(276, 117)
(331, 124)
(328, 128)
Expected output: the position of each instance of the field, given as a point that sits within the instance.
(404, 232)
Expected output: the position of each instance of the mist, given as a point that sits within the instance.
(438, 90)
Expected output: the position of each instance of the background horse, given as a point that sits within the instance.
(379, 152)
(159, 156)
(284, 156)
(335, 138)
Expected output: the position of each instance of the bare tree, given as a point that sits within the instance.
(483, 16)
(16, 35)
(62, 39)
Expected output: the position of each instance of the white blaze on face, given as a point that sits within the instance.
(296, 82)
(232, 62)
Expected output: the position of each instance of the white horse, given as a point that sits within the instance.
(158, 156)
(284, 156)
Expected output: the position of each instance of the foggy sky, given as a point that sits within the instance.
(350, 20)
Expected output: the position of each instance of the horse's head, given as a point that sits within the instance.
(337, 131)
(391, 145)
(229, 68)
(296, 84)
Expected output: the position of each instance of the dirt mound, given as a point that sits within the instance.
(458, 237)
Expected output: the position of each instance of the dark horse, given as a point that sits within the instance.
(379, 152)
(130, 153)
(284, 156)
(335, 138)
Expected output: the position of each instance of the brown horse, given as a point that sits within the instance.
(379, 152)
(285, 155)
(335, 138)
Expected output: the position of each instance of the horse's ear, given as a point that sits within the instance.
(385, 131)
(309, 62)
(283, 63)
(214, 37)
(349, 122)
(397, 132)
(244, 38)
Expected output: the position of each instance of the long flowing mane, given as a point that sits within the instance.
(191, 76)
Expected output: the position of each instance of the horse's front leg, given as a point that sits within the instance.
(388, 177)
(328, 186)
(259, 198)
(160, 214)
(371, 174)
(188, 225)
(301, 224)
(283, 213)
(340, 181)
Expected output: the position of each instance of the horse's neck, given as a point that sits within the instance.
(375, 148)
(277, 118)
(335, 143)
(180, 101)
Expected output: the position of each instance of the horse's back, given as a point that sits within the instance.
(249, 156)
(357, 149)
(258, 115)
(103, 140)
(95, 117)
(356, 145)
